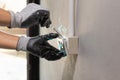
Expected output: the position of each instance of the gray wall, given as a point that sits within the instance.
(98, 28)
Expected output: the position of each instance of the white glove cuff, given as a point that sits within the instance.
(15, 20)
(22, 43)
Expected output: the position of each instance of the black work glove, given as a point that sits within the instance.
(41, 17)
(39, 46)
(32, 14)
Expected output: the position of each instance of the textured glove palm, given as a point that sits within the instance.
(39, 46)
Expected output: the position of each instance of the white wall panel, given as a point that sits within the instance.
(61, 12)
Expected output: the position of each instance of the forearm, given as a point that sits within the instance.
(5, 18)
(8, 41)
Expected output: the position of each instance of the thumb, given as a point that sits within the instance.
(50, 36)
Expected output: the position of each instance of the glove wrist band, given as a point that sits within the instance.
(15, 20)
(22, 43)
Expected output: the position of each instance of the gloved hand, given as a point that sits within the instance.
(32, 14)
(39, 46)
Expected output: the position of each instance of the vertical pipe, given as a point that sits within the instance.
(33, 61)
(71, 20)
(70, 62)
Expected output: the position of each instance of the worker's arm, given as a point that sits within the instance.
(32, 14)
(37, 46)
(8, 41)
(5, 17)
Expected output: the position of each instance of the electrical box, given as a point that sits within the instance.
(73, 45)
